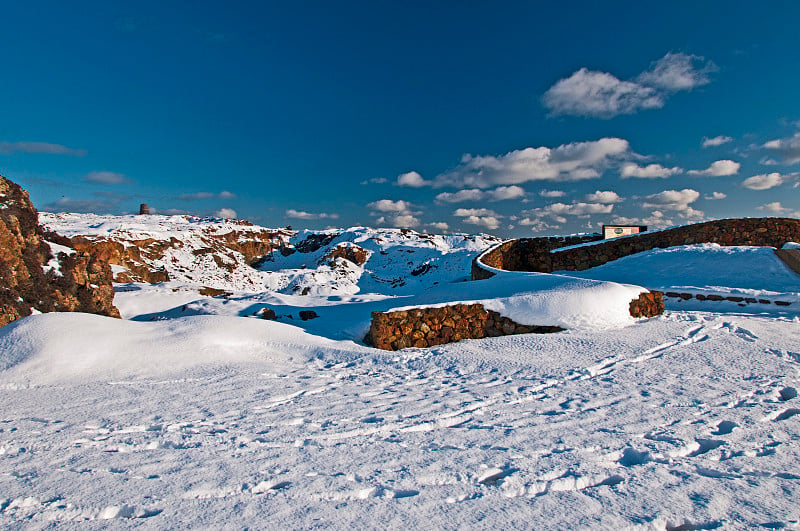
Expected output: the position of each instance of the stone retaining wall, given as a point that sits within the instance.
(426, 327)
(536, 254)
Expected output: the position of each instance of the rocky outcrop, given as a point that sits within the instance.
(538, 254)
(143, 258)
(426, 327)
(32, 278)
(348, 251)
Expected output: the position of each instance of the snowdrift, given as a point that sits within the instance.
(75, 347)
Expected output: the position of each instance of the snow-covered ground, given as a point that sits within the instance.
(194, 413)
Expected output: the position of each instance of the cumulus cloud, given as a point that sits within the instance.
(105, 177)
(567, 162)
(439, 225)
(651, 171)
(412, 179)
(788, 149)
(774, 208)
(678, 71)
(301, 214)
(464, 212)
(490, 222)
(599, 95)
(677, 200)
(388, 205)
(551, 193)
(538, 224)
(227, 195)
(39, 148)
(656, 220)
(720, 168)
(603, 197)
(714, 196)
(765, 181)
(557, 211)
(716, 141)
(483, 217)
(500, 193)
(603, 95)
(397, 213)
(227, 213)
(404, 221)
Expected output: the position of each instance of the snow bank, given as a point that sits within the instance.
(68, 347)
(549, 300)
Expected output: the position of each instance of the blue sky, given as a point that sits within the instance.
(520, 119)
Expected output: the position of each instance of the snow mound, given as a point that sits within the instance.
(551, 300)
(70, 347)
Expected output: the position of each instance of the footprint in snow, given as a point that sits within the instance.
(724, 428)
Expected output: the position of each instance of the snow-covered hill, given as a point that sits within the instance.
(236, 257)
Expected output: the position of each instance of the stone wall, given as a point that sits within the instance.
(535, 254)
(647, 304)
(525, 254)
(426, 327)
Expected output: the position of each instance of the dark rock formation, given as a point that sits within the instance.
(305, 315)
(31, 278)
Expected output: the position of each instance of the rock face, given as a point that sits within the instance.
(542, 255)
(31, 278)
(348, 251)
(647, 305)
(426, 327)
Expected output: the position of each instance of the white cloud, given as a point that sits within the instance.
(301, 214)
(538, 225)
(603, 197)
(404, 221)
(787, 148)
(600, 95)
(557, 211)
(775, 207)
(678, 71)
(464, 212)
(439, 225)
(677, 200)
(39, 148)
(500, 193)
(227, 213)
(714, 196)
(603, 95)
(716, 141)
(388, 205)
(66, 204)
(719, 168)
(227, 195)
(651, 171)
(656, 220)
(490, 222)
(105, 177)
(568, 162)
(412, 179)
(470, 194)
(552, 193)
(765, 181)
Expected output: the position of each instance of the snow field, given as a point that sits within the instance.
(685, 420)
